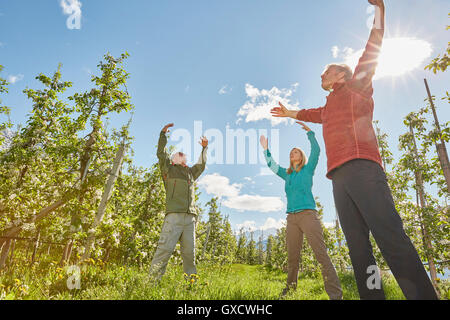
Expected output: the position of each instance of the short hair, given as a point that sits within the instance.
(342, 68)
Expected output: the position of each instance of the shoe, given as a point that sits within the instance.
(286, 291)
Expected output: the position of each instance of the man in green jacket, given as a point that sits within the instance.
(179, 223)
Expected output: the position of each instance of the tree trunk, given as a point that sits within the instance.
(105, 198)
(4, 253)
(440, 148)
(11, 255)
(426, 238)
(206, 242)
(66, 253)
(36, 246)
(44, 212)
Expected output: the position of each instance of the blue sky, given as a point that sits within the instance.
(205, 60)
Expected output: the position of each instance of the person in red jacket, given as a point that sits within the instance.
(361, 193)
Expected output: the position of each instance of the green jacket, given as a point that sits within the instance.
(179, 180)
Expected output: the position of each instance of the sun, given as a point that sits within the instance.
(398, 56)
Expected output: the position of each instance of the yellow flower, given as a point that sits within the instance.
(192, 280)
(60, 276)
(17, 282)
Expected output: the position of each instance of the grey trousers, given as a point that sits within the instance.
(176, 227)
(364, 203)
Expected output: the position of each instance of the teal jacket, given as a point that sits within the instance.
(179, 180)
(298, 185)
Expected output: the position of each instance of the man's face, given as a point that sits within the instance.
(179, 158)
(330, 76)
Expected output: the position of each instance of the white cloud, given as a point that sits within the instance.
(225, 89)
(270, 223)
(73, 9)
(335, 51)
(15, 78)
(220, 186)
(397, 57)
(260, 102)
(254, 203)
(247, 225)
(329, 224)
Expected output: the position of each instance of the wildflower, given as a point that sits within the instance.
(18, 282)
(24, 289)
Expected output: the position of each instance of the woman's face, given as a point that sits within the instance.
(296, 155)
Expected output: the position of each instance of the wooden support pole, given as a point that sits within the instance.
(440, 147)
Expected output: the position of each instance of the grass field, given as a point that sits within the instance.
(232, 282)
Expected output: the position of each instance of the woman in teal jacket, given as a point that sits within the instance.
(302, 217)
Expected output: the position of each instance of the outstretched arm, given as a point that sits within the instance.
(275, 167)
(367, 64)
(309, 115)
(199, 167)
(163, 157)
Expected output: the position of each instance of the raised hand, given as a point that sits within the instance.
(166, 128)
(264, 142)
(305, 127)
(280, 112)
(203, 142)
(378, 3)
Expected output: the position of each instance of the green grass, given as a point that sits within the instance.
(232, 282)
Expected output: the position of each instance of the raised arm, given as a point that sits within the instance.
(365, 70)
(199, 167)
(315, 149)
(161, 153)
(275, 167)
(308, 115)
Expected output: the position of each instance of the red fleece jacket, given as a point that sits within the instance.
(347, 116)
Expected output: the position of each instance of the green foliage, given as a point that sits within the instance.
(64, 151)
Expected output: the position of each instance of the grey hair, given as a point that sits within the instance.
(342, 68)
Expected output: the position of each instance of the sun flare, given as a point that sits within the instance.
(398, 56)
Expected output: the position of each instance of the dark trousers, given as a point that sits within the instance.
(364, 204)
